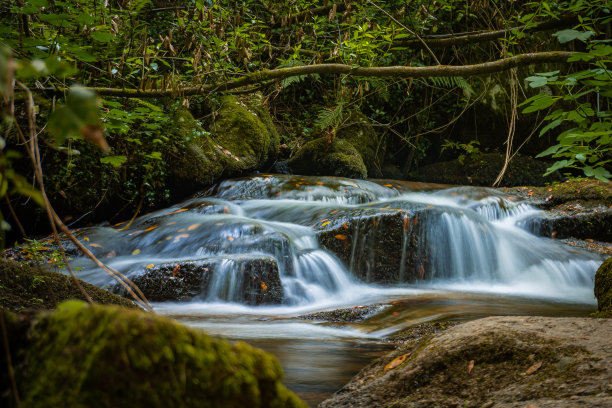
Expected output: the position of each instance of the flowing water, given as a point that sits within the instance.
(459, 253)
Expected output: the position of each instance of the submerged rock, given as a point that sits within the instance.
(320, 158)
(492, 362)
(101, 356)
(250, 280)
(603, 289)
(33, 288)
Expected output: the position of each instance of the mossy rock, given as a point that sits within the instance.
(245, 132)
(483, 169)
(30, 287)
(338, 158)
(603, 289)
(201, 162)
(360, 133)
(100, 356)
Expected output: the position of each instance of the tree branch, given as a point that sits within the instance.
(380, 72)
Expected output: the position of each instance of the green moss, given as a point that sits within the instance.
(244, 131)
(360, 133)
(338, 158)
(97, 356)
(603, 288)
(29, 287)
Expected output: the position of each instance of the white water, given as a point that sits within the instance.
(474, 233)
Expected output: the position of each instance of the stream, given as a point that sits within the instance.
(265, 250)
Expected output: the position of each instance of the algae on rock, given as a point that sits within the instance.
(97, 356)
(337, 158)
(603, 289)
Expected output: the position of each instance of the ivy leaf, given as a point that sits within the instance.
(569, 35)
(115, 161)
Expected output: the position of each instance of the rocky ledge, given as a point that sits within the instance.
(493, 362)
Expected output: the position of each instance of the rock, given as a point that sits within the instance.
(105, 356)
(512, 361)
(358, 131)
(578, 208)
(483, 169)
(338, 158)
(350, 314)
(245, 133)
(24, 287)
(256, 280)
(603, 289)
(200, 163)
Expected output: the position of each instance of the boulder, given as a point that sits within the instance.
(244, 131)
(322, 158)
(256, 281)
(482, 170)
(25, 287)
(103, 356)
(359, 132)
(603, 289)
(494, 362)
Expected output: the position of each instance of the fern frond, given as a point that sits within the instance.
(451, 82)
(330, 117)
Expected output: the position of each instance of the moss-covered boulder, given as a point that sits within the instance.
(200, 162)
(320, 158)
(100, 356)
(603, 289)
(483, 169)
(25, 287)
(254, 280)
(243, 129)
(359, 132)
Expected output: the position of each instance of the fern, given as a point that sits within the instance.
(136, 6)
(330, 117)
(451, 82)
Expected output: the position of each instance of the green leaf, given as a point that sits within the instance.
(569, 35)
(549, 151)
(71, 119)
(102, 36)
(550, 126)
(597, 172)
(539, 102)
(115, 161)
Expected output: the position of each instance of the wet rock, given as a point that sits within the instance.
(109, 357)
(483, 169)
(320, 158)
(501, 361)
(350, 314)
(256, 281)
(25, 287)
(381, 245)
(603, 289)
(359, 132)
(578, 208)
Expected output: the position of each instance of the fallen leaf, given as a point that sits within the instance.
(136, 252)
(176, 270)
(177, 211)
(334, 212)
(586, 239)
(93, 245)
(86, 239)
(151, 228)
(179, 237)
(320, 183)
(397, 361)
(553, 235)
(388, 185)
(341, 237)
(230, 239)
(263, 285)
(192, 227)
(535, 367)
(182, 230)
(345, 225)
(149, 266)
(395, 313)
(471, 366)
(325, 223)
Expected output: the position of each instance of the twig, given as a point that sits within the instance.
(9, 362)
(8, 203)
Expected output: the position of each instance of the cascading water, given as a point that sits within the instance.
(466, 238)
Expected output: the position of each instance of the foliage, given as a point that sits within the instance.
(466, 149)
(582, 101)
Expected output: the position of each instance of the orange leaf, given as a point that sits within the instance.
(325, 223)
(397, 361)
(230, 238)
(471, 366)
(388, 185)
(340, 237)
(136, 252)
(180, 236)
(93, 245)
(178, 211)
(553, 235)
(263, 285)
(345, 225)
(86, 239)
(151, 228)
(119, 223)
(334, 212)
(192, 227)
(176, 270)
(533, 368)
(182, 230)
(320, 183)
(395, 313)
(149, 266)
